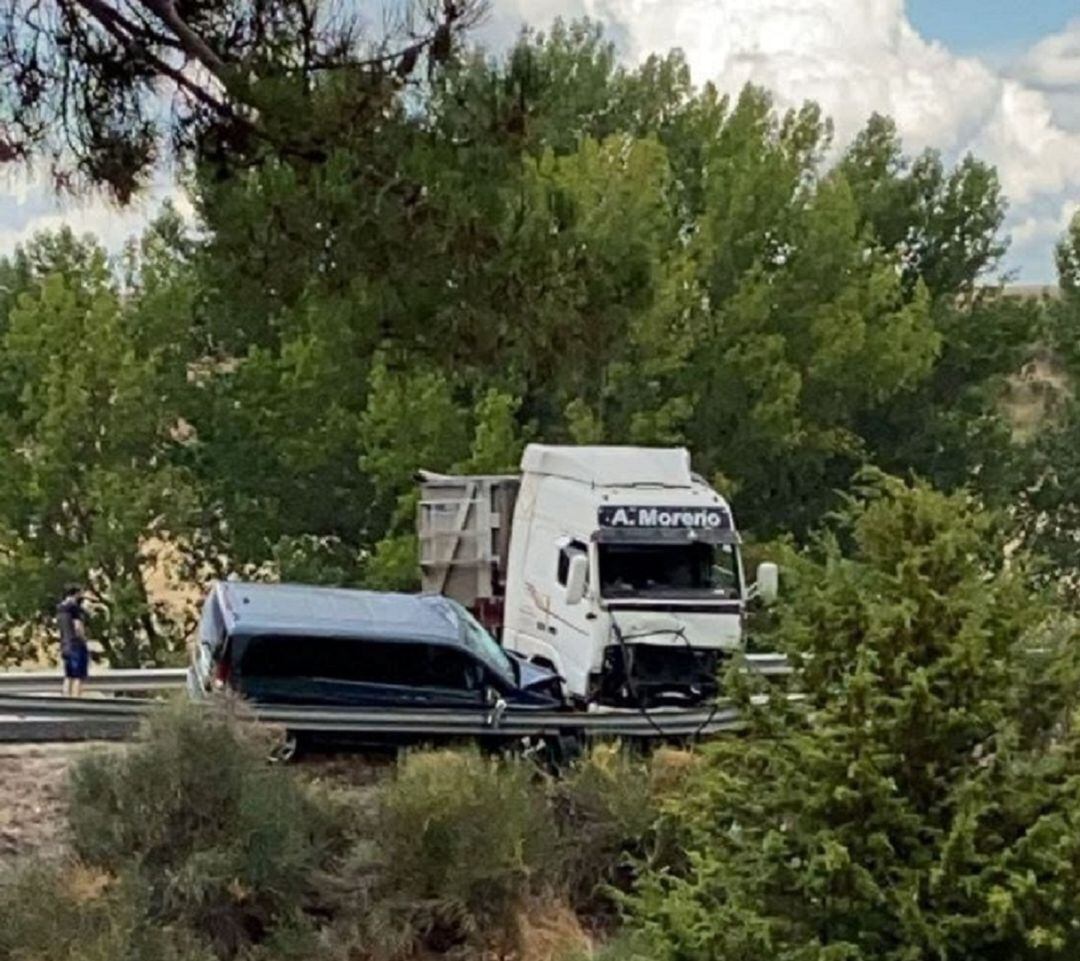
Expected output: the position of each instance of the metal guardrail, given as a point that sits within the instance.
(115, 680)
(513, 723)
(151, 679)
(26, 705)
(772, 664)
(31, 709)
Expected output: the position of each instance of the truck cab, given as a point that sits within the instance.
(621, 570)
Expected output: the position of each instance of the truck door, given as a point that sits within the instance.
(568, 626)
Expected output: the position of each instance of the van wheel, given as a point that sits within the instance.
(287, 750)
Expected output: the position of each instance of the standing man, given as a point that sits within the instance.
(71, 619)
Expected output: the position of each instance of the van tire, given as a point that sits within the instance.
(287, 751)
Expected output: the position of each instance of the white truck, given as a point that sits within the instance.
(620, 568)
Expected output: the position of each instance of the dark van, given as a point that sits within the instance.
(302, 645)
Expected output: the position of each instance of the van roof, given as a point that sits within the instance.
(611, 466)
(303, 610)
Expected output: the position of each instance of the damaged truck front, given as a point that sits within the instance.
(616, 567)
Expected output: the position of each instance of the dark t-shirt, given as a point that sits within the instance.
(68, 611)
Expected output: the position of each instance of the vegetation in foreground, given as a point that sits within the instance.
(921, 801)
(924, 802)
(190, 845)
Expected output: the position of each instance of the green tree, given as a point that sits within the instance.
(807, 324)
(545, 245)
(635, 259)
(943, 224)
(1067, 256)
(276, 444)
(84, 81)
(922, 801)
(1047, 505)
(90, 380)
(943, 227)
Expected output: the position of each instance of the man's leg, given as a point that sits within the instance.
(67, 686)
(80, 668)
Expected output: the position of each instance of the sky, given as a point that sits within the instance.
(990, 28)
(999, 78)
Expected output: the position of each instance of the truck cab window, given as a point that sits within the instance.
(691, 571)
(567, 550)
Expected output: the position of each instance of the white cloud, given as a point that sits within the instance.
(1052, 66)
(1054, 62)
(859, 56)
(28, 205)
(1036, 228)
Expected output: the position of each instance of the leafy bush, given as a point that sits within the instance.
(928, 803)
(606, 808)
(223, 841)
(463, 839)
(76, 913)
(191, 846)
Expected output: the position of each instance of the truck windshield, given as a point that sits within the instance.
(695, 570)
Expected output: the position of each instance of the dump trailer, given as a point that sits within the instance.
(617, 567)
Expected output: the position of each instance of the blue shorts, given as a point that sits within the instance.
(76, 661)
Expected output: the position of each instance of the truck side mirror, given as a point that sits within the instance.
(768, 582)
(575, 578)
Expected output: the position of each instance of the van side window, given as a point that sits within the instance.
(346, 661)
(567, 550)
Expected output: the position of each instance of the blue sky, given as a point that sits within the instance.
(994, 28)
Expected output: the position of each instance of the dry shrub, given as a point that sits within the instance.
(606, 810)
(223, 842)
(74, 912)
(549, 930)
(669, 768)
(192, 846)
(463, 840)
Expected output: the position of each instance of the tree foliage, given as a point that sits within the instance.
(922, 802)
(246, 82)
(90, 385)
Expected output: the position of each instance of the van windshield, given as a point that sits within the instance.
(483, 646)
(697, 570)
